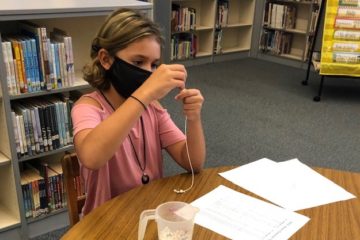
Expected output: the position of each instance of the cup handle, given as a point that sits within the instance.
(144, 217)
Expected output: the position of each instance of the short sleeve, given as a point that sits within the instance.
(85, 116)
(168, 131)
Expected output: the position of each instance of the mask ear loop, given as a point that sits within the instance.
(180, 191)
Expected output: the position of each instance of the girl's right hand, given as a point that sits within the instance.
(165, 78)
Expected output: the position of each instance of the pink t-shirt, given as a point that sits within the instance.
(122, 172)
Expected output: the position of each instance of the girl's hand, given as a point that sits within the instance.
(192, 100)
(162, 81)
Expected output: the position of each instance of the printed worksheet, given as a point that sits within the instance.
(289, 184)
(239, 216)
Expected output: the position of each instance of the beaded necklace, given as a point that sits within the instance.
(144, 178)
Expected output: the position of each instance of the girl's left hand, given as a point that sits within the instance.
(192, 100)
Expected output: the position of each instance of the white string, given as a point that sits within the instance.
(191, 167)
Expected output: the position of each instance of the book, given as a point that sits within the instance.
(66, 56)
(19, 60)
(33, 31)
(16, 133)
(10, 74)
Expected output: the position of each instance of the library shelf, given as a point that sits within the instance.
(4, 160)
(292, 56)
(49, 215)
(235, 25)
(48, 153)
(237, 14)
(77, 86)
(289, 25)
(70, 16)
(235, 49)
(7, 219)
(289, 30)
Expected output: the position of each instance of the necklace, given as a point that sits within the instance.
(144, 178)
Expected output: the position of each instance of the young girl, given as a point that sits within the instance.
(120, 129)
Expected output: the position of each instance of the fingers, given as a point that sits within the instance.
(177, 67)
(176, 73)
(189, 95)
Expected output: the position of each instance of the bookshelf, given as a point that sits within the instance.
(235, 31)
(288, 28)
(71, 16)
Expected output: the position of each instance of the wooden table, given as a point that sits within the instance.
(118, 218)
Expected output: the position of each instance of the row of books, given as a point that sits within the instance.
(280, 16)
(35, 62)
(41, 125)
(275, 42)
(182, 18)
(183, 46)
(42, 187)
(222, 13)
(217, 41)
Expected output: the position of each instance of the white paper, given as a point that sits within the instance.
(289, 184)
(238, 216)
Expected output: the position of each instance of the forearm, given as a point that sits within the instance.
(100, 144)
(196, 145)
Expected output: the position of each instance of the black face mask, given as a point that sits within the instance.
(125, 77)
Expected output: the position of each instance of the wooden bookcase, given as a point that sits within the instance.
(281, 38)
(236, 33)
(80, 19)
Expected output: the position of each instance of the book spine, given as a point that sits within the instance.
(19, 71)
(42, 117)
(35, 132)
(18, 123)
(28, 199)
(24, 135)
(27, 64)
(62, 65)
(26, 207)
(30, 130)
(70, 66)
(62, 123)
(58, 191)
(59, 78)
(47, 119)
(59, 124)
(38, 129)
(53, 64)
(54, 127)
(16, 133)
(66, 122)
(37, 198)
(35, 66)
(10, 86)
(52, 187)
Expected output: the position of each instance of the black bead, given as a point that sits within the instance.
(145, 178)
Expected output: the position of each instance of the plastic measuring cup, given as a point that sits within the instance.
(175, 220)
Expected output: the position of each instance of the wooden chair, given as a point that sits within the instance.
(71, 170)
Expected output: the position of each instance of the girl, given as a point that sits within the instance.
(120, 129)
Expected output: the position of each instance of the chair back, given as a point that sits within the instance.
(75, 199)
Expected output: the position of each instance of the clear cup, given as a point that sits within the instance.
(175, 221)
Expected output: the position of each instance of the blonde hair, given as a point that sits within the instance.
(121, 28)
